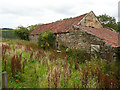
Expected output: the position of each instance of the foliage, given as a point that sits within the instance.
(29, 66)
(118, 26)
(106, 74)
(22, 33)
(64, 19)
(81, 55)
(32, 27)
(108, 21)
(46, 39)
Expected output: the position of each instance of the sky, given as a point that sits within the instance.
(14, 13)
(119, 11)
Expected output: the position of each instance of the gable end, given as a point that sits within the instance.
(90, 20)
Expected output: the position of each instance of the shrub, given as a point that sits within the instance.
(46, 39)
(22, 33)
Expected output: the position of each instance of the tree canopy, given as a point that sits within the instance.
(23, 32)
(118, 27)
(108, 21)
(32, 27)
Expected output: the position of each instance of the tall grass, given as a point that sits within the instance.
(29, 66)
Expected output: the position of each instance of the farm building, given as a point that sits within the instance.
(84, 31)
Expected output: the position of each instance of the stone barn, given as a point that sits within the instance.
(85, 32)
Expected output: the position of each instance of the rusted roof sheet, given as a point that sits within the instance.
(58, 27)
(109, 36)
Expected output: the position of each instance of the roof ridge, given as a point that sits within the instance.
(61, 26)
(63, 19)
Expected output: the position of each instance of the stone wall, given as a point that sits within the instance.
(33, 38)
(90, 20)
(80, 39)
(77, 39)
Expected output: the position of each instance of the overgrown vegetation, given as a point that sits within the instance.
(29, 66)
(46, 39)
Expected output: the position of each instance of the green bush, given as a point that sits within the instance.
(22, 33)
(46, 39)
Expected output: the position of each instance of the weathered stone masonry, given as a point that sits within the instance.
(34, 38)
(80, 39)
(90, 20)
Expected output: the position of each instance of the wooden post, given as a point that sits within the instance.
(4, 79)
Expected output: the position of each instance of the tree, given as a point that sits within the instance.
(118, 27)
(22, 33)
(46, 39)
(108, 21)
(32, 27)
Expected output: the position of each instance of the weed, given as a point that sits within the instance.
(52, 70)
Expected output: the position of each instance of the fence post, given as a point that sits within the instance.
(4, 79)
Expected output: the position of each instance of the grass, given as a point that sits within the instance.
(29, 66)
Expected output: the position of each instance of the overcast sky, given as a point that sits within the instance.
(29, 12)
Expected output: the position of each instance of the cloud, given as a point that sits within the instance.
(26, 12)
(119, 11)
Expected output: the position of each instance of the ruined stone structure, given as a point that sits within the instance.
(78, 38)
(85, 32)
